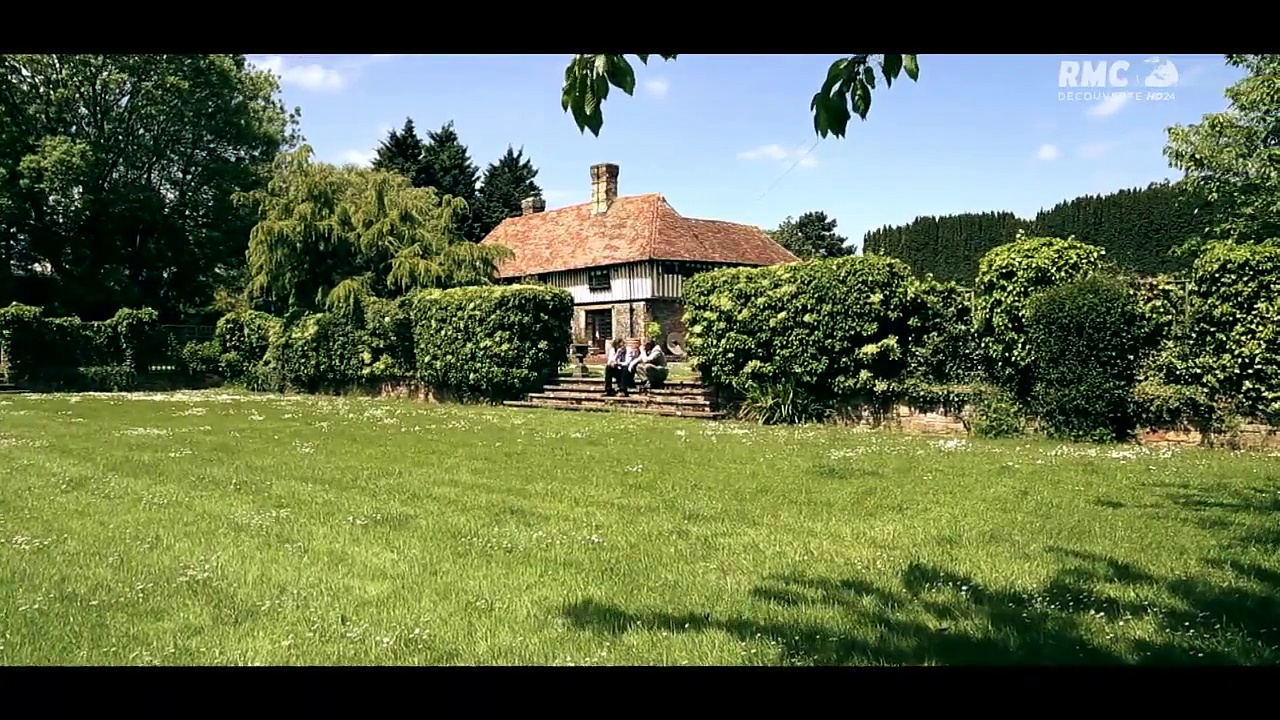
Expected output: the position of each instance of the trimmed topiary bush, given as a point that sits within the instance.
(1009, 276)
(1085, 340)
(836, 329)
(491, 343)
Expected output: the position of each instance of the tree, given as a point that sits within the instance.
(448, 169)
(328, 237)
(401, 152)
(849, 83)
(117, 174)
(504, 185)
(1232, 158)
(812, 235)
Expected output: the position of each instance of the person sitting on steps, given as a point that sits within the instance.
(618, 368)
(650, 367)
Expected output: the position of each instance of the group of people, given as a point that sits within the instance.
(630, 367)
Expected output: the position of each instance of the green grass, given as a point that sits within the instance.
(211, 529)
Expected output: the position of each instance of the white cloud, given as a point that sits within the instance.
(308, 76)
(357, 157)
(799, 156)
(1095, 150)
(1109, 106)
(1048, 152)
(657, 87)
(331, 74)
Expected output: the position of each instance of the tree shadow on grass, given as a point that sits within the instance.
(1249, 515)
(933, 615)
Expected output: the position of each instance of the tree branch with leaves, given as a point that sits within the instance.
(850, 80)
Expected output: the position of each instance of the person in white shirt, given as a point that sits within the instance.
(649, 368)
(618, 368)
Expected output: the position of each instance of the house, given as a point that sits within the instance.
(624, 259)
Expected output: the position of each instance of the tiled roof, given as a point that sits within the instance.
(636, 228)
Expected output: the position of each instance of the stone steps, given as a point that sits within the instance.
(678, 398)
(636, 409)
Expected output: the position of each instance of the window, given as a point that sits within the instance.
(598, 280)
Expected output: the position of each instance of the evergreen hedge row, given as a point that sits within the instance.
(67, 353)
(487, 343)
(1052, 328)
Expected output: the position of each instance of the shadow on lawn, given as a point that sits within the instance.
(934, 615)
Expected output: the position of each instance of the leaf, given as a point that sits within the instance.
(891, 66)
(868, 76)
(621, 75)
(643, 58)
(600, 84)
(913, 69)
(861, 99)
(819, 108)
(838, 114)
(595, 121)
(590, 102)
(602, 64)
(835, 73)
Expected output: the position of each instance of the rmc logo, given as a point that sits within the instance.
(1115, 74)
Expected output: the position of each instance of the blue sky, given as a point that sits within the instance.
(725, 137)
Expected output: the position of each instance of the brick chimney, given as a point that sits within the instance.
(604, 187)
(531, 205)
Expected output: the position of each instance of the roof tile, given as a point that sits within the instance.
(636, 228)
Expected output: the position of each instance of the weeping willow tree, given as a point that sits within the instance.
(328, 237)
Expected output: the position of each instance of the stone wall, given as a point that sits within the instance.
(669, 314)
(907, 418)
(941, 421)
(1248, 436)
(628, 320)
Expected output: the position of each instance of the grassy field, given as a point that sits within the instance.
(208, 528)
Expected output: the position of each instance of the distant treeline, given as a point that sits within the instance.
(1138, 227)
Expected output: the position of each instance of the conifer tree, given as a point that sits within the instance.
(401, 153)
(447, 167)
(812, 235)
(504, 185)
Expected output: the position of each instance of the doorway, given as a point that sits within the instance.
(599, 326)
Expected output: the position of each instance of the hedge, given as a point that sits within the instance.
(243, 339)
(1085, 338)
(945, 348)
(836, 329)
(54, 351)
(492, 343)
(1008, 277)
(1232, 344)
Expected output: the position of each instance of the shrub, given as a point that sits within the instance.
(1232, 346)
(782, 404)
(243, 339)
(944, 348)
(46, 349)
(388, 331)
(996, 413)
(201, 358)
(1009, 276)
(1084, 338)
(318, 352)
(833, 329)
(142, 341)
(490, 342)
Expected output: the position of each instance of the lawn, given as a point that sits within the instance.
(209, 528)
